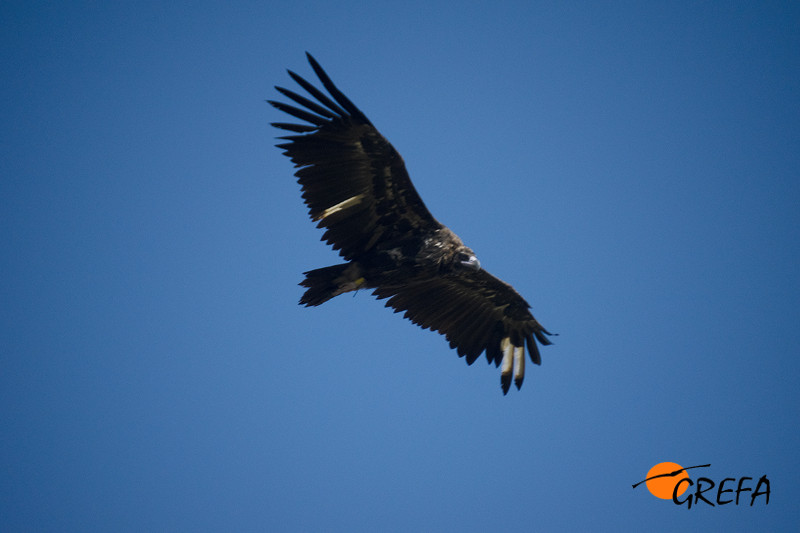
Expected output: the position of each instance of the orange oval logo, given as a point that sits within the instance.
(662, 478)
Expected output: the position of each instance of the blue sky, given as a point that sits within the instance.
(631, 168)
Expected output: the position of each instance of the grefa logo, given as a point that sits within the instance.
(671, 481)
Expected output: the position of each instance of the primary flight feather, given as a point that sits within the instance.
(356, 187)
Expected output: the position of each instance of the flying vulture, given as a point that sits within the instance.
(356, 187)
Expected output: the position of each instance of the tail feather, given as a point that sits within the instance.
(325, 283)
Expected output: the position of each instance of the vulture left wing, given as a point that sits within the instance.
(476, 312)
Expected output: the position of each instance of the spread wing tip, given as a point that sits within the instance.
(540, 335)
(334, 91)
(311, 59)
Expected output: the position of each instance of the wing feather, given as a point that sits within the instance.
(299, 113)
(334, 91)
(319, 95)
(475, 340)
(297, 128)
(475, 311)
(305, 102)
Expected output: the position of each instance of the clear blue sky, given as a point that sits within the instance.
(633, 169)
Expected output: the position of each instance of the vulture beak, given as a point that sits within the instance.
(471, 263)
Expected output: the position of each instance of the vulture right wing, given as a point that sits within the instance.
(354, 182)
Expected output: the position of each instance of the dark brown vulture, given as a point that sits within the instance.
(356, 187)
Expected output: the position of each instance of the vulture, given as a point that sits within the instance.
(356, 188)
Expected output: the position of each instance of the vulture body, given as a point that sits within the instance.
(356, 187)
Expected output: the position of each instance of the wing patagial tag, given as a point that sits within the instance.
(350, 202)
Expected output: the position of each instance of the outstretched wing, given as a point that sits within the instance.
(353, 181)
(476, 312)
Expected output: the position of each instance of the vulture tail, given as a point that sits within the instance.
(325, 283)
